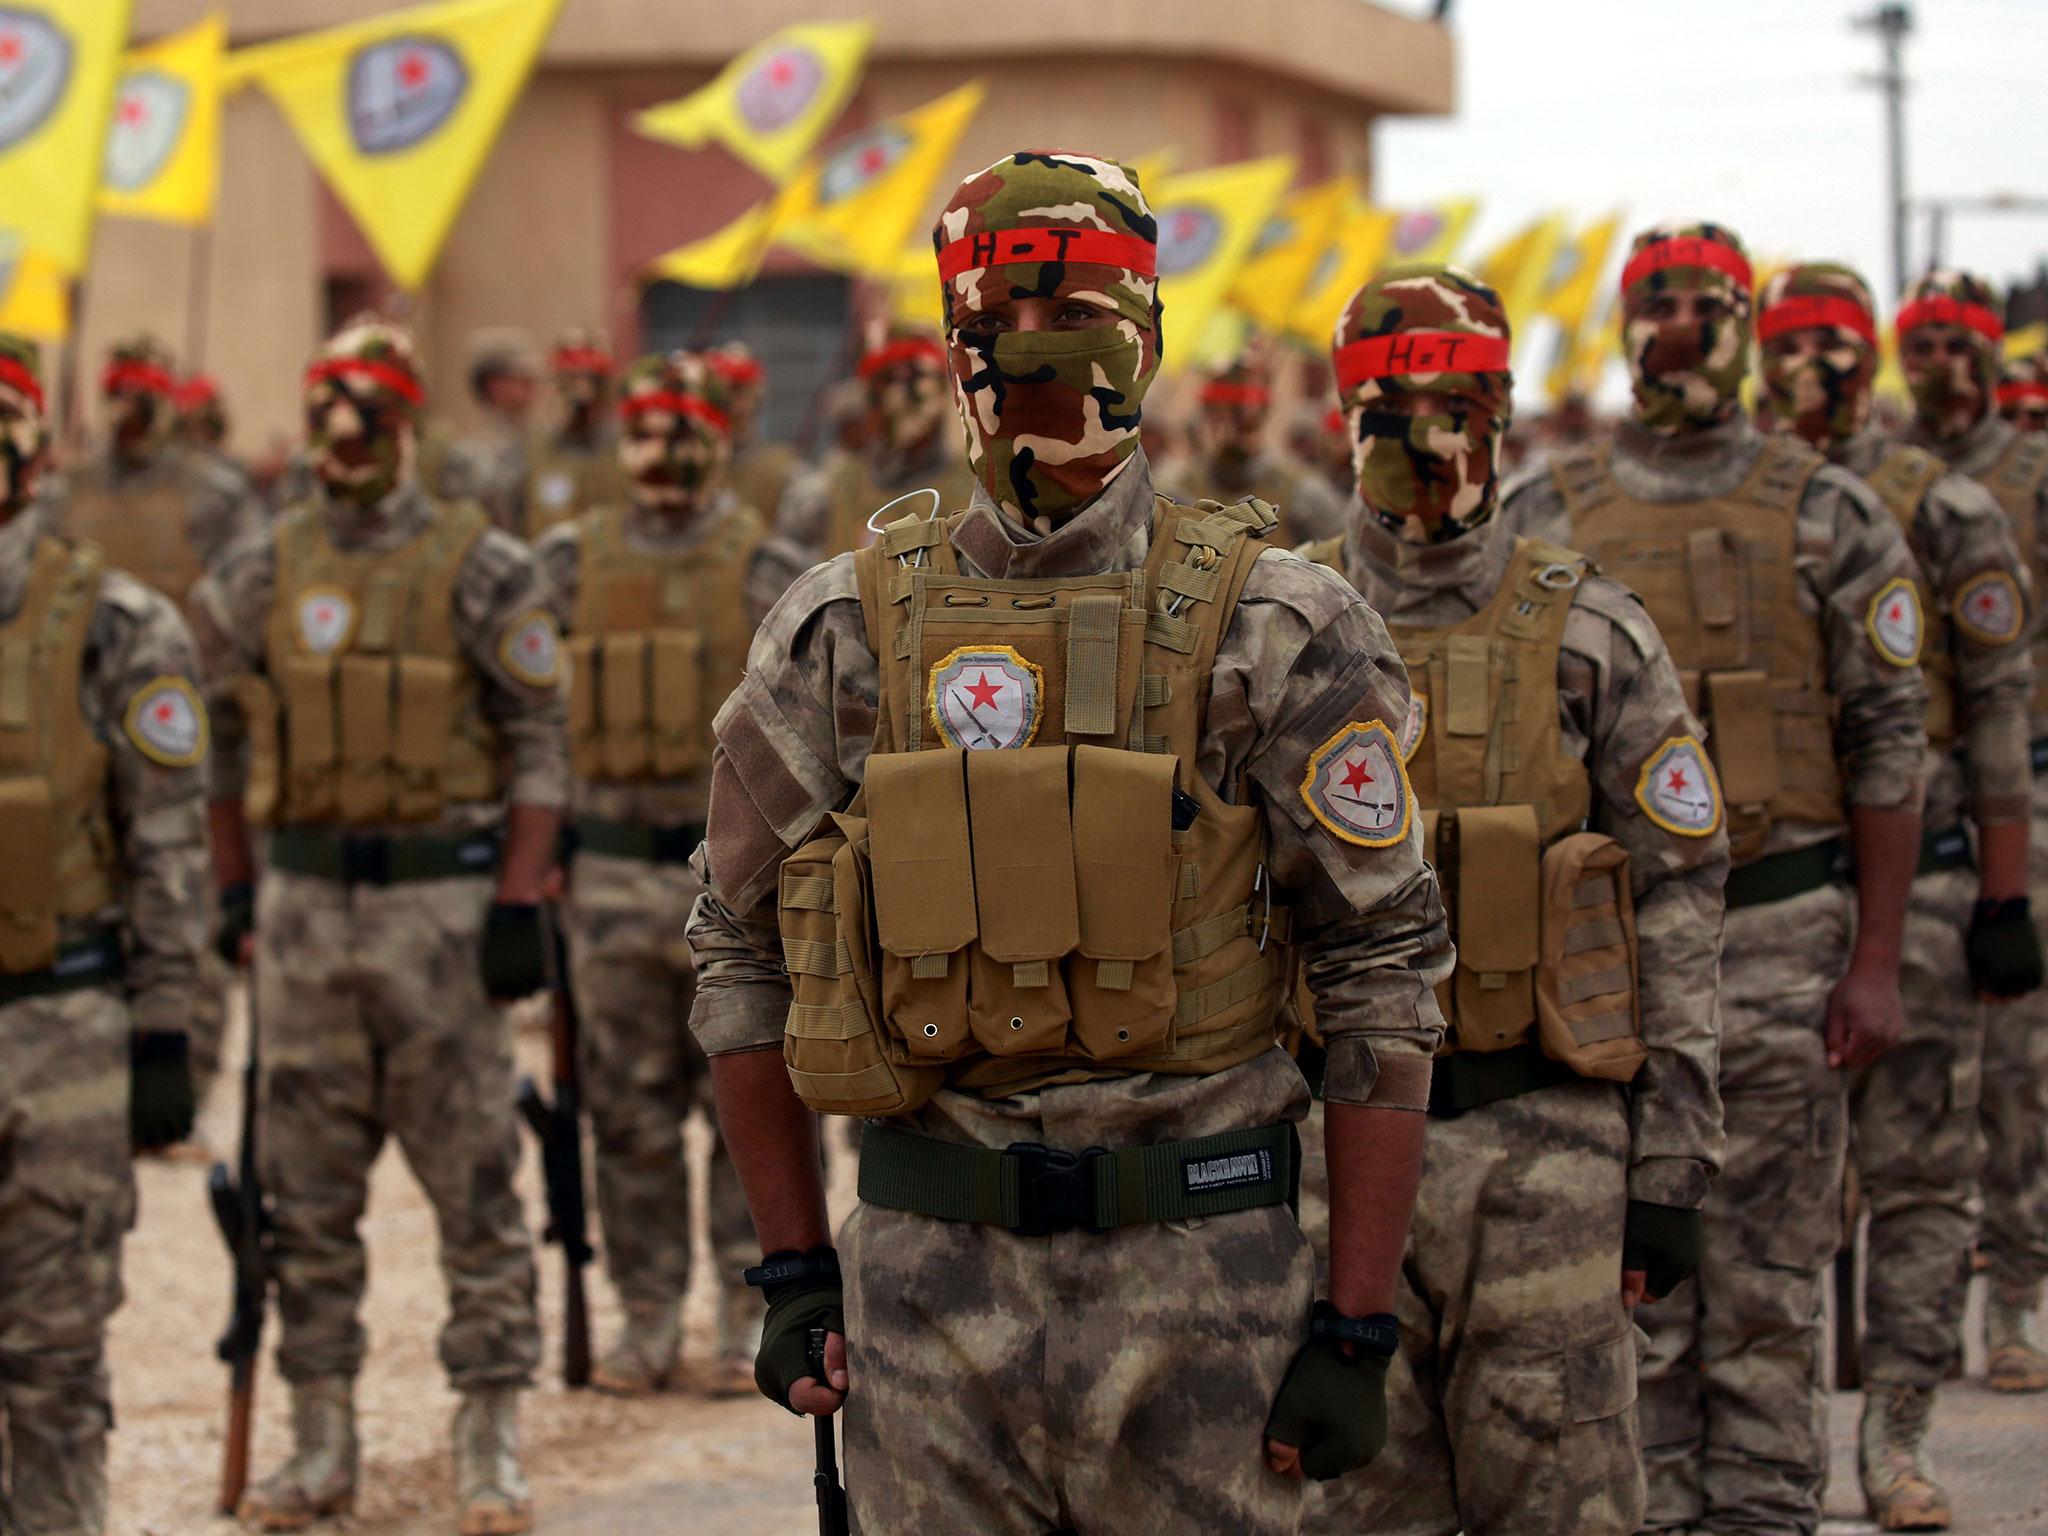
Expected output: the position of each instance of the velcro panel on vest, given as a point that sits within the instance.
(678, 704)
(622, 704)
(1018, 807)
(307, 683)
(923, 872)
(28, 876)
(1468, 710)
(1121, 986)
(1742, 726)
(365, 685)
(585, 752)
(1587, 996)
(257, 702)
(1093, 623)
(422, 734)
(1715, 563)
(1499, 886)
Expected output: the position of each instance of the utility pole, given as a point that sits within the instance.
(1892, 23)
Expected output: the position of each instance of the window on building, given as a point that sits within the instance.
(798, 325)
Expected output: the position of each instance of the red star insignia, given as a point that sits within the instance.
(132, 110)
(1678, 781)
(531, 642)
(1355, 776)
(164, 713)
(412, 71)
(323, 615)
(10, 48)
(1898, 613)
(1986, 601)
(984, 692)
(781, 72)
(872, 159)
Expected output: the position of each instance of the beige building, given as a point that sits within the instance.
(573, 203)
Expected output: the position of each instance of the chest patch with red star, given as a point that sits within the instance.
(1894, 622)
(1357, 786)
(167, 722)
(1678, 791)
(1989, 610)
(986, 698)
(327, 617)
(532, 650)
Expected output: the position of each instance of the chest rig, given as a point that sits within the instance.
(658, 641)
(1902, 479)
(60, 852)
(140, 529)
(1719, 577)
(566, 482)
(1082, 904)
(371, 712)
(2015, 484)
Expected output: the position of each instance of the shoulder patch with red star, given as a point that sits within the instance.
(1356, 785)
(167, 722)
(532, 650)
(1894, 622)
(1678, 791)
(1988, 608)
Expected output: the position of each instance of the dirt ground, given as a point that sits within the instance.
(601, 1466)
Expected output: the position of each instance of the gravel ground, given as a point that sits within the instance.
(601, 1466)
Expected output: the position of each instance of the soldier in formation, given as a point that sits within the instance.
(660, 593)
(762, 468)
(2023, 392)
(386, 672)
(200, 424)
(1229, 459)
(1571, 813)
(576, 468)
(1787, 597)
(493, 465)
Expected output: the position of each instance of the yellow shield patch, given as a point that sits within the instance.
(1678, 791)
(1356, 785)
(1989, 608)
(167, 722)
(532, 650)
(1894, 622)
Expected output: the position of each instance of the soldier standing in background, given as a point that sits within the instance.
(761, 470)
(1950, 328)
(103, 744)
(201, 426)
(577, 468)
(1570, 812)
(386, 670)
(907, 445)
(493, 466)
(1228, 458)
(660, 593)
(1786, 596)
(2023, 392)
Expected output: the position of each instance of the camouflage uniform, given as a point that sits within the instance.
(1731, 1396)
(761, 471)
(2023, 392)
(1233, 461)
(1069, 1357)
(576, 468)
(492, 466)
(67, 1195)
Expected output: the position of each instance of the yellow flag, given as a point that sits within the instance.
(35, 298)
(1360, 249)
(58, 59)
(1208, 222)
(1287, 252)
(1585, 355)
(770, 105)
(1432, 233)
(163, 150)
(2027, 340)
(1519, 268)
(727, 259)
(914, 288)
(856, 206)
(1576, 274)
(399, 112)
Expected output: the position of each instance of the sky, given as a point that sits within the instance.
(1744, 111)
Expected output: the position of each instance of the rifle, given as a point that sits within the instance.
(831, 1497)
(244, 1222)
(1847, 1274)
(558, 1127)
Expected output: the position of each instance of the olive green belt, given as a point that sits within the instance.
(1035, 1190)
(637, 840)
(1781, 876)
(91, 962)
(1467, 1079)
(353, 860)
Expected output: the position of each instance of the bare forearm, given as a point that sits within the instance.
(2002, 860)
(528, 853)
(1887, 845)
(228, 829)
(773, 1142)
(1375, 1160)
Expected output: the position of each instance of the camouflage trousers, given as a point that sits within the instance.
(2014, 1116)
(1510, 1406)
(373, 1022)
(1913, 1122)
(643, 1072)
(67, 1195)
(1100, 1384)
(1732, 1395)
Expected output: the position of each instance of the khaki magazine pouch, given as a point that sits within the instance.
(28, 917)
(925, 914)
(1024, 896)
(1588, 999)
(1743, 737)
(1494, 999)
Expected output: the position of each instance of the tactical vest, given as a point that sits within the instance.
(143, 531)
(855, 497)
(60, 855)
(2015, 484)
(1081, 905)
(567, 482)
(760, 473)
(1541, 909)
(371, 712)
(658, 641)
(1902, 479)
(1718, 575)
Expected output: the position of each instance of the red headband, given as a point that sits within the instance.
(581, 360)
(1686, 251)
(1089, 247)
(679, 404)
(737, 370)
(2008, 394)
(15, 376)
(131, 375)
(1405, 352)
(1802, 310)
(1942, 310)
(397, 380)
(910, 349)
(1218, 392)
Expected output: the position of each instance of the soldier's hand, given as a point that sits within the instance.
(782, 1366)
(1664, 1243)
(1865, 1017)
(160, 1098)
(823, 1399)
(231, 941)
(1330, 1416)
(2004, 948)
(513, 951)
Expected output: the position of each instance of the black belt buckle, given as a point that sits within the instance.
(1055, 1190)
(366, 860)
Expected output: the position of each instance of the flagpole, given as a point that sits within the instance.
(71, 432)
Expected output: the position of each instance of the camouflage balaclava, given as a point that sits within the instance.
(1822, 393)
(1687, 375)
(24, 429)
(1435, 331)
(677, 409)
(138, 384)
(1232, 405)
(202, 416)
(363, 393)
(1051, 416)
(902, 373)
(2023, 393)
(1952, 391)
(581, 366)
(744, 376)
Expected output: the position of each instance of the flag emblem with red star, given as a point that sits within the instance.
(780, 89)
(1988, 608)
(1356, 785)
(167, 722)
(1894, 622)
(327, 616)
(35, 69)
(986, 698)
(1678, 791)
